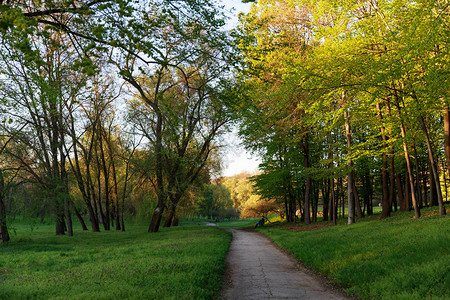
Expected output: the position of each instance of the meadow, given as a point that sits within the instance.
(394, 258)
(185, 262)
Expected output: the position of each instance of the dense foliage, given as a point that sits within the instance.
(107, 105)
(347, 95)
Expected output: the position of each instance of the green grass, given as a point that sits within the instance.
(241, 223)
(177, 263)
(395, 258)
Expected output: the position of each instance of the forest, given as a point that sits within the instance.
(113, 110)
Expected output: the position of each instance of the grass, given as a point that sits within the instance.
(241, 223)
(177, 263)
(394, 258)
(232, 223)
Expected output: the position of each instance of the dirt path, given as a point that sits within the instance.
(257, 269)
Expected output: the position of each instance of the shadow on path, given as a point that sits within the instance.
(257, 269)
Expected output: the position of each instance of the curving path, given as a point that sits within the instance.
(257, 269)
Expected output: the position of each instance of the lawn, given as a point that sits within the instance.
(177, 263)
(395, 258)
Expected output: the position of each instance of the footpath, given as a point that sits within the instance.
(257, 269)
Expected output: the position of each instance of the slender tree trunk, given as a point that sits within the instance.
(157, 214)
(386, 207)
(4, 234)
(116, 197)
(350, 177)
(407, 191)
(65, 183)
(409, 168)
(342, 196)
(169, 216)
(433, 165)
(392, 198)
(418, 185)
(433, 192)
(326, 200)
(308, 180)
(59, 218)
(400, 196)
(107, 223)
(79, 217)
(359, 211)
(333, 201)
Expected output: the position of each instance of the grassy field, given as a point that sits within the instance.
(177, 263)
(395, 258)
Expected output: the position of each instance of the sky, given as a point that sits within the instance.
(236, 159)
(238, 7)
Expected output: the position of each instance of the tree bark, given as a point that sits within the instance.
(407, 191)
(359, 211)
(350, 177)
(306, 211)
(433, 165)
(400, 196)
(409, 167)
(334, 203)
(79, 217)
(418, 185)
(392, 198)
(160, 191)
(4, 234)
(169, 216)
(156, 219)
(386, 207)
(326, 200)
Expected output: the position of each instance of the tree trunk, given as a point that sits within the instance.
(386, 207)
(433, 164)
(400, 196)
(350, 177)
(341, 196)
(418, 185)
(334, 203)
(156, 219)
(326, 200)
(59, 218)
(407, 192)
(410, 174)
(116, 197)
(392, 198)
(359, 212)
(107, 223)
(433, 192)
(308, 180)
(286, 209)
(169, 216)
(79, 217)
(160, 191)
(4, 234)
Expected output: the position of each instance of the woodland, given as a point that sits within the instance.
(116, 110)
